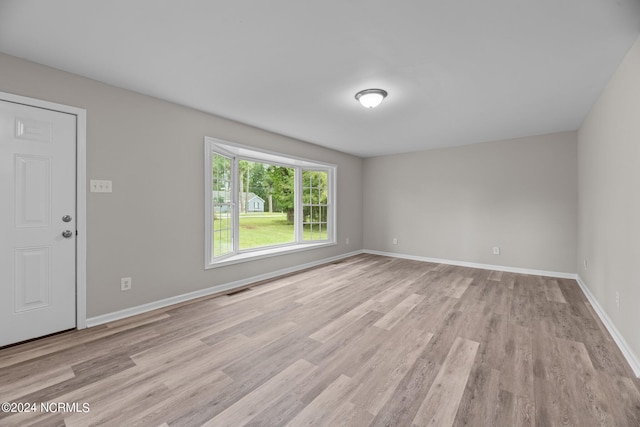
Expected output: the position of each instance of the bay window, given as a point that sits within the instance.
(261, 204)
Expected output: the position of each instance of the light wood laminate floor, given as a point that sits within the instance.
(367, 341)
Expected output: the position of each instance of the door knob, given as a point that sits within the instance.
(67, 233)
(66, 218)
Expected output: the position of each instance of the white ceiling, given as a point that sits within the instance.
(457, 72)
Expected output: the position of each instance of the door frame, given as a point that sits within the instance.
(81, 194)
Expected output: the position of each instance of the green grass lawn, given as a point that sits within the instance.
(262, 229)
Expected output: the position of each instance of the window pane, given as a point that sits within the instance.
(266, 203)
(314, 202)
(222, 219)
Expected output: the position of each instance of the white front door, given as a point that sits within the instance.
(37, 222)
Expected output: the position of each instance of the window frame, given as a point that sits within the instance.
(239, 152)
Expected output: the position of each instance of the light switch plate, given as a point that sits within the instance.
(100, 186)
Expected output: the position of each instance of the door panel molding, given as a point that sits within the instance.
(32, 287)
(27, 213)
(39, 131)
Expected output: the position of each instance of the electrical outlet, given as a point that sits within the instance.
(395, 241)
(617, 300)
(496, 250)
(125, 284)
(347, 241)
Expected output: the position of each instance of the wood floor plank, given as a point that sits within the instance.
(186, 392)
(396, 360)
(391, 292)
(394, 317)
(269, 321)
(471, 297)
(495, 275)
(491, 333)
(457, 287)
(345, 354)
(401, 408)
(447, 331)
(585, 398)
(110, 411)
(69, 344)
(480, 400)
(498, 297)
(255, 291)
(441, 404)
(431, 312)
(33, 381)
(359, 332)
(279, 353)
(243, 411)
(320, 411)
(322, 291)
(553, 292)
(368, 340)
(350, 415)
(624, 407)
(170, 353)
(330, 330)
(517, 370)
(278, 413)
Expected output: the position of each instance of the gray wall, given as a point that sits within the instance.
(152, 226)
(457, 203)
(609, 194)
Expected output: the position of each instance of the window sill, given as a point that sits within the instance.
(266, 253)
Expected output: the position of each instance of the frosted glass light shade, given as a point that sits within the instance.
(371, 98)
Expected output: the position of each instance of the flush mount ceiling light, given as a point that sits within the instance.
(371, 98)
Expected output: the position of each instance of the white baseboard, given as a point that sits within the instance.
(628, 354)
(128, 312)
(477, 265)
